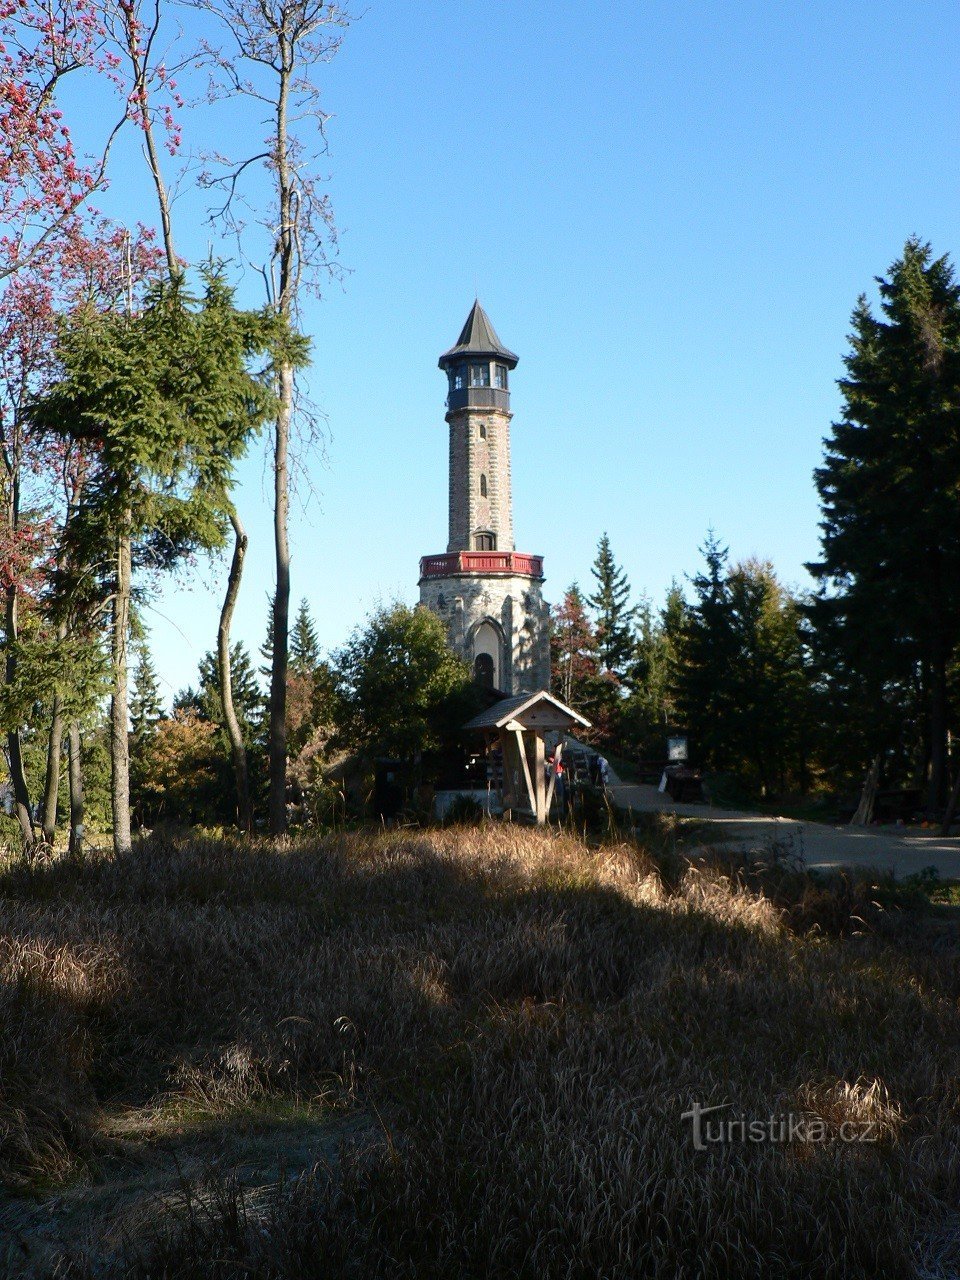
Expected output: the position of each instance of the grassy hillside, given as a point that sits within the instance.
(484, 1039)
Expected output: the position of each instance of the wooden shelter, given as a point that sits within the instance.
(519, 725)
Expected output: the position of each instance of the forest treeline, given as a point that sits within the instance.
(779, 691)
(855, 679)
(132, 383)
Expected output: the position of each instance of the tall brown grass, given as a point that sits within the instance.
(522, 1019)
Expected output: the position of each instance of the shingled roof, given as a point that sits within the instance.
(507, 709)
(479, 338)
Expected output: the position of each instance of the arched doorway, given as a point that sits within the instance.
(483, 670)
(487, 649)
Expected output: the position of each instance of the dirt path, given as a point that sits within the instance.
(820, 845)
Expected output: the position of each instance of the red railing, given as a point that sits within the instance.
(515, 562)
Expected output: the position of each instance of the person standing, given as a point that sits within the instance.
(560, 788)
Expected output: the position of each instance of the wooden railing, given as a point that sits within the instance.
(507, 562)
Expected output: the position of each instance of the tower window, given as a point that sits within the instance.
(500, 376)
(485, 542)
(479, 375)
(483, 486)
(456, 380)
(483, 432)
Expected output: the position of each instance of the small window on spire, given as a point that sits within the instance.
(483, 486)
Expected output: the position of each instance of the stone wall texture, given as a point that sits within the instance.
(480, 447)
(514, 606)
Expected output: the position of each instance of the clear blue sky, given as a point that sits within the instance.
(668, 210)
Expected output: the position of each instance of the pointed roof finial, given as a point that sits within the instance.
(479, 338)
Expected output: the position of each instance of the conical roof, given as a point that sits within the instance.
(479, 338)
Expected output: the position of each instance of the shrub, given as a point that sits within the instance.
(464, 811)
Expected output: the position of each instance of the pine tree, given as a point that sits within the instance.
(741, 673)
(614, 627)
(890, 498)
(146, 705)
(703, 680)
(247, 696)
(266, 649)
(769, 682)
(168, 400)
(649, 712)
(304, 646)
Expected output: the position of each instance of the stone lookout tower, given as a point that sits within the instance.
(489, 595)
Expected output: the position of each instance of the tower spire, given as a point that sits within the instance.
(478, 338)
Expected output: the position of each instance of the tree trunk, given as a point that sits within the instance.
(951, 808)
(140, 69)
(938, 736)
(286, 296)
(281, 611)
(237, 745)
(119, 740)
(77, 799)
(51, 787)
(18, 777)
(868, 796)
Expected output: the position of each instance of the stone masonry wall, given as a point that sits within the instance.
(473, 455)
(515, 606)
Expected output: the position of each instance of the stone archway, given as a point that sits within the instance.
(486, 653)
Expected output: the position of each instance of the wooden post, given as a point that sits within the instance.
(507, 798)
(541, 783)
(531, 793)
(491, 741)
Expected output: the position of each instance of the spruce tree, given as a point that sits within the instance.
(146, 705)
(740, 672)
(703, 681)
(890, 498)
(649, 711)
(615, 617)
(167, 400)
(304, 646)
(248, 699)
(266, 649)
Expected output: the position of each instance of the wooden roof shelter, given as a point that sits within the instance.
(519, 725)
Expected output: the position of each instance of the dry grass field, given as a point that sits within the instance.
(466, 1053)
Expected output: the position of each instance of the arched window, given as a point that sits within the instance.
(483, 486)
(483, 432)
(483, 670)
(485, 542)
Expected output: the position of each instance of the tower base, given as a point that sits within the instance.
(498, 622)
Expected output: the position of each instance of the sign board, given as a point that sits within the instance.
(677, 749)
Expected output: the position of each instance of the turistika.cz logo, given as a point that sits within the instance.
(712, 1129)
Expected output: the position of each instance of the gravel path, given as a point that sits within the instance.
(883, 848)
